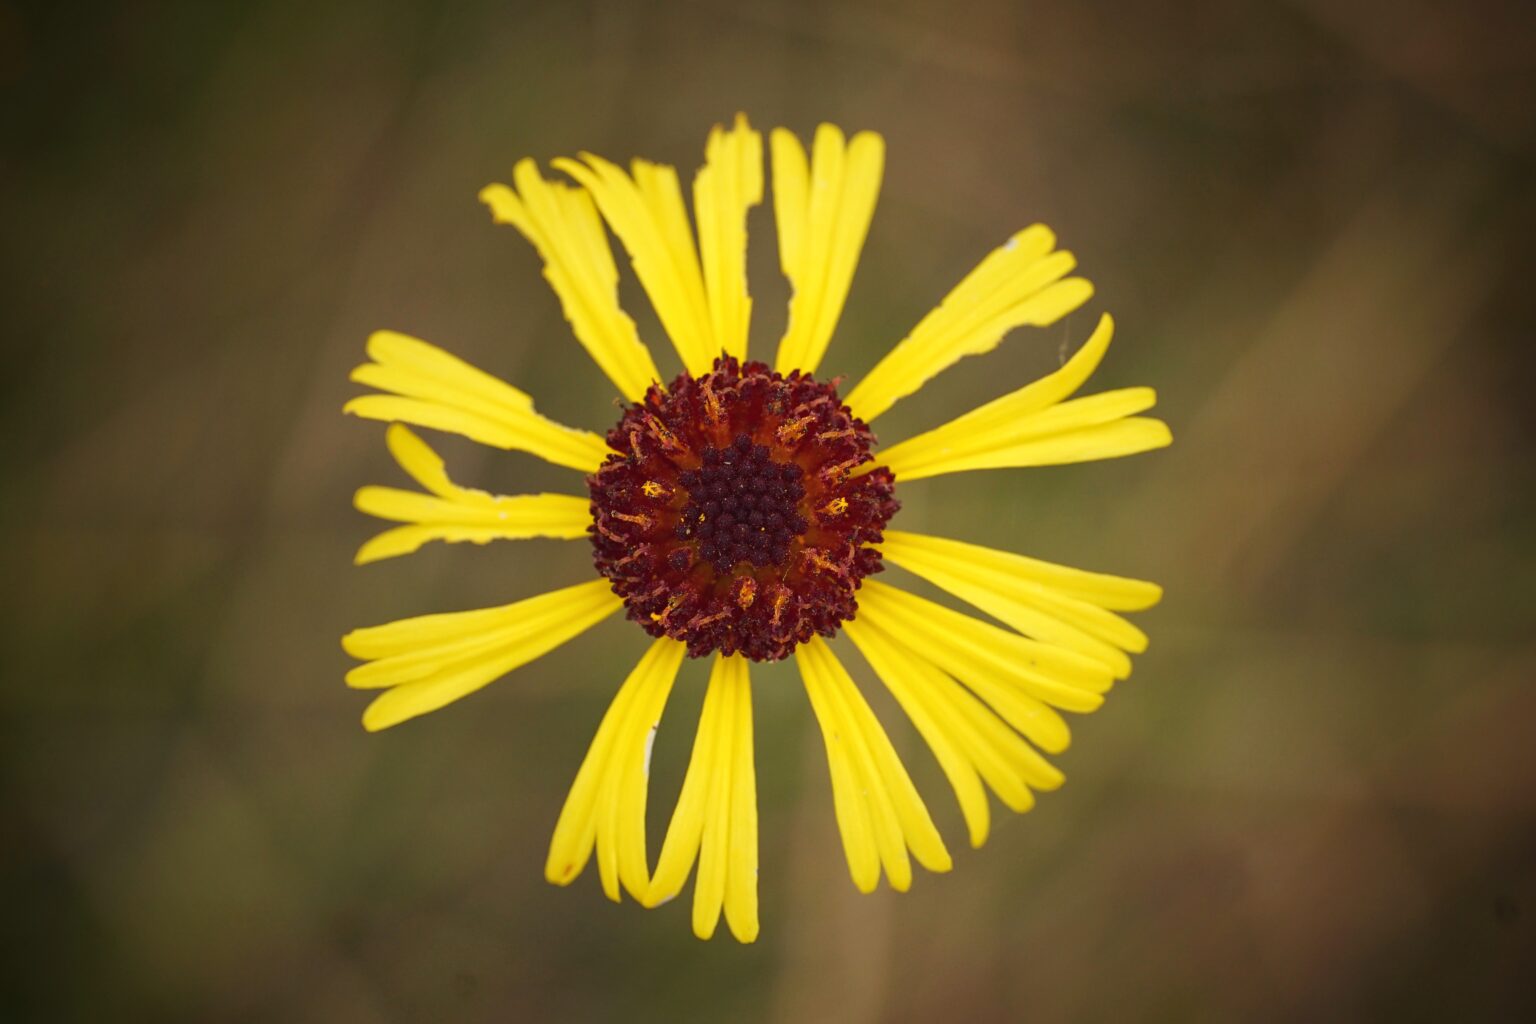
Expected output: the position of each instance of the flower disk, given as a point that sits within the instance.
(730, 519)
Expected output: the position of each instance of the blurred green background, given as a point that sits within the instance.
(1314, 223)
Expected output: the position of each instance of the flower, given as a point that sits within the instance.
(738, 511)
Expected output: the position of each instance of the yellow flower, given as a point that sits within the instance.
(736, 512)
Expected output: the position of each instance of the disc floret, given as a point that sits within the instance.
(729, 515)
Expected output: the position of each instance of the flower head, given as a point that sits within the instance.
(730, 517)
(738, 511)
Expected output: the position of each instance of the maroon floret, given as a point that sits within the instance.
(730, 517)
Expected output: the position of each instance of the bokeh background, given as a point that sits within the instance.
(1314, 222)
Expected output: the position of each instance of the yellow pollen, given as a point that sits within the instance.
(666, 613)
(839, 470)
(712, 406)
(663, 434)
(815, 557)
(835, 507)
(790, 432)
(780, 599)
(747, 592)
(653, 489)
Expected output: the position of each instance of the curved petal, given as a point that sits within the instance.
(563, 225)
(727, 186)
(1034, 427)
(879, 812)
(1022, 679)
(715, 821)
(1060, 677)
(426, 662)
(606, 806)
(453, 513)
(427, 387)
(968, 738)
(646, 212)
(703, 304)
(1029, 596)
(823, 208)
(1018, 284)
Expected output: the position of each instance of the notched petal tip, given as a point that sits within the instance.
(502, 202)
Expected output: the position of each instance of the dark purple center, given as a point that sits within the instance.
(730, 517)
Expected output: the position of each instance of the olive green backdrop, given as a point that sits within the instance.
(1314, 223)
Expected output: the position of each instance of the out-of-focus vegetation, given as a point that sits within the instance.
(1313, 222)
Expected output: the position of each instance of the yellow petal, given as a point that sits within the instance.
(715, 820)
(957, 765)
(970, 733)
(1056, 675)
(1094, 444)
(791, 192)
(404, 540)
(916, 826)
(1000, 586)
(729, 184)
(1018, 284)
(563, 225)
(455, 513)
(418, 459)
(646, 212)
(634, 768)
(714, 845)
(434, 660)
(999, 754)
(741, 872)
(986, 672)
(430, 388)
(848, 800)
(882, 812)
(680, 848)
(576, 830)
(1043, 578)
(521, 515)
(1035, 427)
(605, 809)
(823, 211)
(411, 636)
(879, 811)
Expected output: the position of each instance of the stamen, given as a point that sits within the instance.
(789, 433)
(718, 480)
